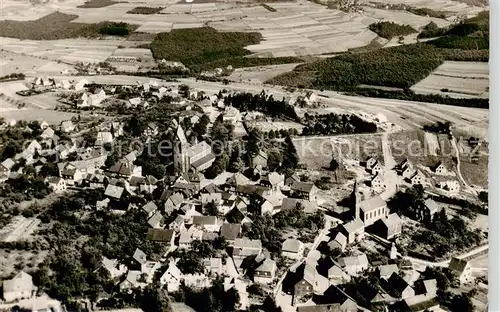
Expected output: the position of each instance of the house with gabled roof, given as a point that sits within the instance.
(173, 203)
(309, 282)
(385, 271)
(151, 129)
(138, 258)
(354, 230)
(461, 268)
(156, 220)
(338, 242)
(292, 248)
(306, 190)
(187, 236)
(207, 223)
(245, 247)
(259, 161)
(389, 227)
(19, 287)
(172, 277)
(399, 287)
(178, 224)
(113, 267)
(354, 265)
(439, 168)
(230, 231)
(56, 184)
(265, 272)
(150, 208)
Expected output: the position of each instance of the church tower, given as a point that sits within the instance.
(356, 199)
(180, 147)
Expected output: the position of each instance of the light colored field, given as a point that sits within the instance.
(462, 79)
(20, 228)
(432, 143)
(296, 28)
(454, 7)
(52, 117)
(259, 74)
(316, 152)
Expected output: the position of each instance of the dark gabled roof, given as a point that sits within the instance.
(230, 231)
(204, 220)
(397, 282)
(251, 189)
(302, 186)
(458, 265)
(235, 215)
(160, 235)
(210, 189)
(436, 165)
(122, 168)
(150, 207)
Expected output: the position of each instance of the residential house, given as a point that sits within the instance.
(173, 203)
(461, 268)
(306, 190)
(354, 265)
(426, 211)
(274, 181)
(370, 163)
(377, 183)
(265, 272)
(126, 169)
(134, 102)
(418, 178)
(172, 277)
(71, 174)
(389, 227)
(178, 224)
(67, 126)
(259, 161)
(151, 129)
(230, 232)
(187, 237)
(213, 265)
(79, 86)
(407, 172)
(353, 230)
(292, 248)
(163, 236)
(385, 271)
(271, 204)
(346, 306)
(115, 192)
(138, 258)
(377, 169)
(156, 220)
(113, 267)
(451, 186)
(103, 138)
(7, 165)
(338, 242)
(19, 287)
(208, 223)
(399, 287)
(150, 209)
(309, 282)
(56, 184)
(245, 247)
(439, 168)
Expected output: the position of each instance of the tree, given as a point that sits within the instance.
(290, 157)
(211, 209)
(334, 165)
(49, 169)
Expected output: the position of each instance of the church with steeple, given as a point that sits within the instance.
(191, 157)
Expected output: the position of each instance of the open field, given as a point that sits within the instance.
(67, 50)
(52, 117)
(457, 79)
(293, 29)
(29, 65)
(317, 152)
(259, 74)
(454, 7)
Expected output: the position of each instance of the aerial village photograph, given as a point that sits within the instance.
(250, 155)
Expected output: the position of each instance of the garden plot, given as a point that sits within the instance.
(457, 79)
(432, 143)
(275, 125)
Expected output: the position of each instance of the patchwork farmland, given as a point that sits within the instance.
(457, 79)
